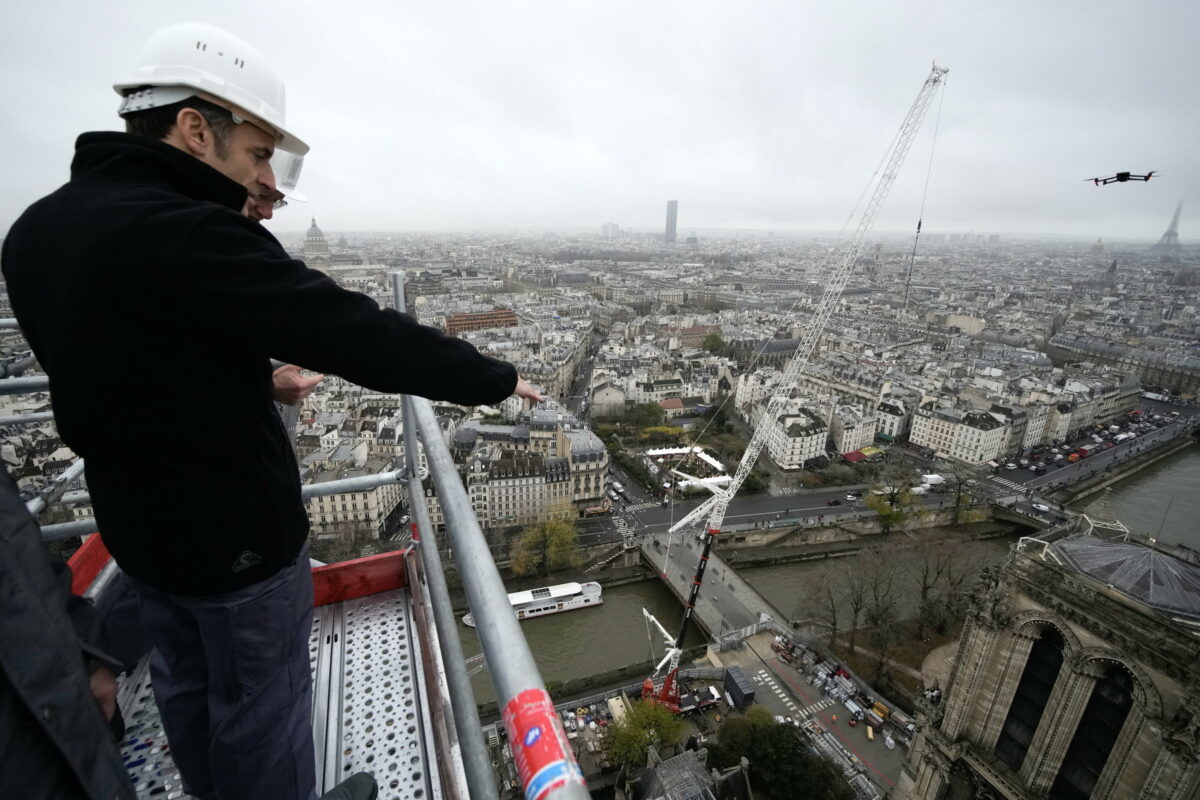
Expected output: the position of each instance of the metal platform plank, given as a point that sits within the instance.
(369, 712)
(383, 713)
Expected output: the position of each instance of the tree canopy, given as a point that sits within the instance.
(649, 415)
(544, 547)
(713, 343)
(779, 763)
(647, 724)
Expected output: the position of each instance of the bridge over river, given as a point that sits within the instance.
(727, 602)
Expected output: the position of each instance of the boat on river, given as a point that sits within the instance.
(550, 600)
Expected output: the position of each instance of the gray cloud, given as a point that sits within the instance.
(473, 115)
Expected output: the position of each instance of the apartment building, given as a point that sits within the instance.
(851, 429)
(972, 437)
(797, 437)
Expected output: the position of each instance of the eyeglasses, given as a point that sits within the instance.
(276, 199)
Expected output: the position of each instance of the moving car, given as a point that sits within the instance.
(833, 502)
(1041, 507)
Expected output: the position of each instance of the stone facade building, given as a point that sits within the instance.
(797, 436)
(569, 453)
(477, 321)
(851, 429)
(1077, 676)
(1178, 371)
(972, 437)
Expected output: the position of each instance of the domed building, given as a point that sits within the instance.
(316, 248)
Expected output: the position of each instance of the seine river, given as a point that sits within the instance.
(1164, 497)
(1162, 501)
(592, 640)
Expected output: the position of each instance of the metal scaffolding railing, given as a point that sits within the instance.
(38, 383)
(476, 761)
(27, 419)
(545, 761)
(65, 530)
(56, 488)
(541, 751)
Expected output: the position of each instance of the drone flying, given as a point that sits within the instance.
(1121, 177)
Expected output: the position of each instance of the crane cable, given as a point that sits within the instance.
(925, 193)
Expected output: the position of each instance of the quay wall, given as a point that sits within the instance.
(1101, 481)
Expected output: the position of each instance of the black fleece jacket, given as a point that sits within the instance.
(155, 307)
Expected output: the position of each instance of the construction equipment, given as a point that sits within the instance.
(714, 508)
(668, 695)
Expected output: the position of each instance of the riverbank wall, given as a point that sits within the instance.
(850, 543)
(1081, 490)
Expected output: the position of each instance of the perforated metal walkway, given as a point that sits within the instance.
(370, 711)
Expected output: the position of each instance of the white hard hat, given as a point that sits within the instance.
(194, 59)
(286, 167)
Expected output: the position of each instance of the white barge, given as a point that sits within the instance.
(550, 600)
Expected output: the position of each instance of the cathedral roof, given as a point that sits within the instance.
(314, 232)
(1138, 571)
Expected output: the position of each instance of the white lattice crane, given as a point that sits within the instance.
(714, 507)
(668, 694)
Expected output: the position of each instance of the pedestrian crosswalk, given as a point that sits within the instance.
(622, 526)
(1010, 484)
(813, 708)
(641, 506)
(767, 681)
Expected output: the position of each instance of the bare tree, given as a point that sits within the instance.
(881, 606)
(956, 479)
(934, 568)
(855, 586)
(821, 602)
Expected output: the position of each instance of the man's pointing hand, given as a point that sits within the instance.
(291, 386)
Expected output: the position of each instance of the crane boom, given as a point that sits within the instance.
(718, 503)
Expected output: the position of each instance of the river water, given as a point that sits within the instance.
(593, 640)
(1162, 500)
(1164, 497)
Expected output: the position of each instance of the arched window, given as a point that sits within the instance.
(1029, 702)
(1101, 723)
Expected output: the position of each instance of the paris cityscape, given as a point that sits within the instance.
(899, 509)
(940, 435)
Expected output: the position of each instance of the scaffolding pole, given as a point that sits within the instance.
(476, 762)
(521, 693)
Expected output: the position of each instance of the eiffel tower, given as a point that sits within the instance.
(1168, 246)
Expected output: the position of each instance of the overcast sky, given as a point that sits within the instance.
(569, 114)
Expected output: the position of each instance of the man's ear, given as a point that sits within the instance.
(194, 134)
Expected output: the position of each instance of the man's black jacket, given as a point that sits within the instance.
(54, 742)
(154, 306)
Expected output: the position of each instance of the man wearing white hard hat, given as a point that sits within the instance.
(146, 294)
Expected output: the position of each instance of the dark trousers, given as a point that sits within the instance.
(232, 680)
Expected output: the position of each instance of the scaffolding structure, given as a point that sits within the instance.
(391, 691)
